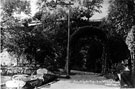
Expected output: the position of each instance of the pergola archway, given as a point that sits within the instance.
(113, 46)
(93, 33)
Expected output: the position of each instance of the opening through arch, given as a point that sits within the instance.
(83, 41)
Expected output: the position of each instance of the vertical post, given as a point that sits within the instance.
(68, 42)
(68, 48)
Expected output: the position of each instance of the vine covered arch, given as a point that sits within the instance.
(113, 47)
(89, 33)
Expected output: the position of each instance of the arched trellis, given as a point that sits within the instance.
(95, 33)
(113, 46)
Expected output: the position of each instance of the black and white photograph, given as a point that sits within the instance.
(67, 44)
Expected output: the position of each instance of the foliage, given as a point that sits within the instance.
(120, 16)
(53, 16)
(130, 40)
(92, 6)
(10, 25)
(85, 8)
(46, 43)
(120, 20)
(117, 49)
(12, 32)
(9, 8)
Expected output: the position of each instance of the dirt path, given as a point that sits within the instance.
(70, 85)
(81, 80)
(84, 80)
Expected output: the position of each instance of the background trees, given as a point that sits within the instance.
(11, 31)
(121, 16)
(48, 40)
(53, 16)
(53, 28)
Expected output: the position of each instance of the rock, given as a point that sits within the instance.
(15, 84)
(42, 71)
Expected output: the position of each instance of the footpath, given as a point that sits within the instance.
(83, 80)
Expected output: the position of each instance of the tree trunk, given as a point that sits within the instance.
(129, 63)
(133, 70)
(88, 19)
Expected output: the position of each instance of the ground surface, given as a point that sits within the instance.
(84, 80)
(79, 80)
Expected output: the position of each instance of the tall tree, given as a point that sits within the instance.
(130, 41)
(92, 6)
(121, 16)
(11, 31)
(80, 8)
(9, 22)
(53, 16)
(15, 6)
